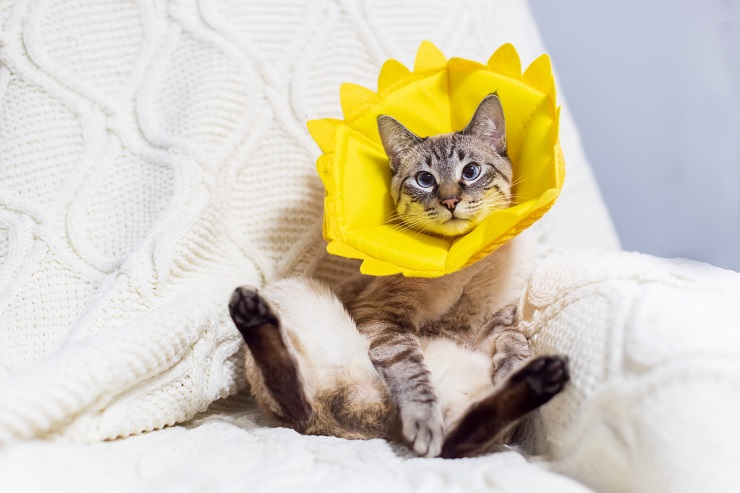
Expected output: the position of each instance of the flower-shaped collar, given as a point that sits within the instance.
(439, 96)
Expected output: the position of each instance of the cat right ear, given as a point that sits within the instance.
(397, 139)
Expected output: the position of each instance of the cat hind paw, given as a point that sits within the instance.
(249, 310)
(544, 377)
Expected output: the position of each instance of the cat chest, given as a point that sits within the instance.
(480, 301)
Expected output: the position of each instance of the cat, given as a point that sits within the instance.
(437, 364)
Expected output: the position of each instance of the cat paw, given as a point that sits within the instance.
(249, 310)
(423, 428)
(543, 378)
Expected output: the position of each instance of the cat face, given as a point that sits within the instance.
(447, 184)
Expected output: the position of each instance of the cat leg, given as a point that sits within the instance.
(398, 358)
(346, 393)
(505, 342)
(261, 329)
(395, 351)
(488, 420)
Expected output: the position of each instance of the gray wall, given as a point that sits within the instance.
(654, 87)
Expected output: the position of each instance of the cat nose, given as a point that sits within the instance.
(450, 202)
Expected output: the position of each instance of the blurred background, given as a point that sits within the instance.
(655, 90)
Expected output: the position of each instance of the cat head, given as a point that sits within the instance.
(447, 184)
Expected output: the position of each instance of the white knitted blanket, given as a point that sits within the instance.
(654, 347)
(232, 448)
(154, 155)
(652, 406)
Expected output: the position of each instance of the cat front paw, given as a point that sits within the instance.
(423, 428)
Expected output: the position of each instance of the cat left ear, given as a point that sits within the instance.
(488, 123)
(396, 138)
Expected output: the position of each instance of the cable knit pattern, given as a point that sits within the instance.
(154, 155)
(654, 347)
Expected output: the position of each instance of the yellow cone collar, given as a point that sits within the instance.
(439, 96)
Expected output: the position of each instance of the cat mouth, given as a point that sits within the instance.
(455, 226)
(456, 216)
(455, 220)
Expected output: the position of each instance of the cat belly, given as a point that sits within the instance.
(460, 376)
(347, 393)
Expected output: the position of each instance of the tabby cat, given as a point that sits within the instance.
(438, 364)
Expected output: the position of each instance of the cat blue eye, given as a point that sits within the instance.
(470, 172)
(425, 179)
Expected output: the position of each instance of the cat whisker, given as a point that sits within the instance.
(519, 179)
(494, 205)
(417, 222)
(406, 222)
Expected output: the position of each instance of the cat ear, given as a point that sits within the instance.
(488, 123)
(396, 138)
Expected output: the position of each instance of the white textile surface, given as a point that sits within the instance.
(654, 347)
(154, 155)
(231, 448)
